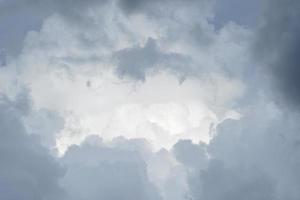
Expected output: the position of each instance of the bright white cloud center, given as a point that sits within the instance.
(160, 110)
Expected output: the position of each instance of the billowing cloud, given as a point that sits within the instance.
(86, 64)
(255, 157)
(135, 99)
(27, 170)
(98, 171)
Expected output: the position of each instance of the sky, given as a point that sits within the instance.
(149, 100)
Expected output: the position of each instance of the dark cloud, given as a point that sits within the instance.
(278, 45)
(137, 62)
(191, 155)
(219, 183)
(27, 170)
(131, 6)
(157, 7)
(256, 157)
(244, 13)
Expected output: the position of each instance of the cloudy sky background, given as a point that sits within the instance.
(149, 100)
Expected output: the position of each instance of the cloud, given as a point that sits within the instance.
(45, 124)
(32, 13)
(244, 13)
(136, 62)
(69, 51)
(2, 58)
(156, 8)
(27, 170)
(140, 74)
(98, 171)
(191, 155)
(232, 184)
(277, 45)
(255, 157)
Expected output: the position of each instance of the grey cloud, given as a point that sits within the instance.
(131, 6)
(189, 27)
(219, 183)
(156, 7)
(98, 171)
(137, 62)
(45, 124)
(268, 143)
(211, 179)
(256, 157)
(92, 170)
(244, 13)
(278, 45)
(191, 155)
(68, 8)
(27, 170)
(32, 13)
(2, 58)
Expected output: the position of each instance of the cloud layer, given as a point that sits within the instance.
(134, 99)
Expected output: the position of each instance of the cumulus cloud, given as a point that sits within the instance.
(99, 171)
(134, 99)
(64, 57)
(27, 171)
(45, 124)
(255, 157)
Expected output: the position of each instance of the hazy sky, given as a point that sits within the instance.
(149, 100)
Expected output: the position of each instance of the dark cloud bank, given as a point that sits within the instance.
(254, 158)
(278, 45)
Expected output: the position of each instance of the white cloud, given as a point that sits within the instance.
(138, 94)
